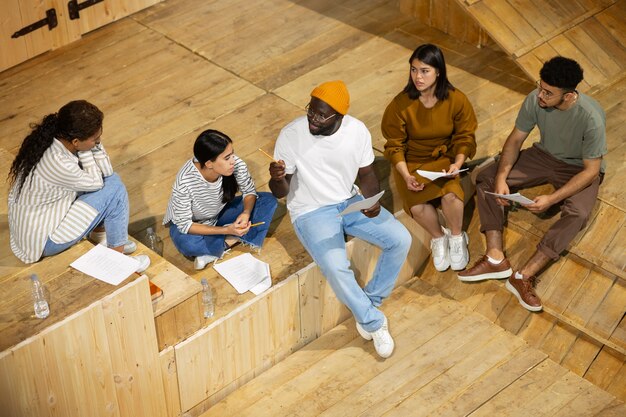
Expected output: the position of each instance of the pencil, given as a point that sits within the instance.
(257, 224)
(268, 155)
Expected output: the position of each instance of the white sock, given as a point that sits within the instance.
(518, 275)
(494, 261)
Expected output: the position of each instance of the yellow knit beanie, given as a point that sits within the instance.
(335, 94)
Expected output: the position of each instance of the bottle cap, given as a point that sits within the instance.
(149, 230)
(203, 281)
(33, 277)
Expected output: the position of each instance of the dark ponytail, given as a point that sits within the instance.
(208, 146)
(76, 120)
(32, 149)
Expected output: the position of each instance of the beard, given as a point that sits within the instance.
(317, 130)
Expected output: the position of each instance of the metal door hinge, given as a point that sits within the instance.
(74, 8)
(50, 20)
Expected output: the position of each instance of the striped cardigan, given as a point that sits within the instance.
(49, 196)
(195, 200)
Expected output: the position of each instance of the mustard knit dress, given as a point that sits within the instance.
(428, 139)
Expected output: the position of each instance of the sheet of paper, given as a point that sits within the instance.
(517, 197)
(263, 285)
(362, 204)
(243, 272)
(106, 265)
(433, 175)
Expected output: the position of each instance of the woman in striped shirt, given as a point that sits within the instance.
(63, 187)
(203, 212)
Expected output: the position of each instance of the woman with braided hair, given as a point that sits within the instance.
(63, 187)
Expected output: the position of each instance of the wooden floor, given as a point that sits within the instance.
(163, 75)
(448, 361)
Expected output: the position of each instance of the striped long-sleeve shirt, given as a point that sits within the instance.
(196, 200)
(48, 198)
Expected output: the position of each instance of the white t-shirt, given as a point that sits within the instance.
(324, 167)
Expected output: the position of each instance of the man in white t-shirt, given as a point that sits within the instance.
(319, 156)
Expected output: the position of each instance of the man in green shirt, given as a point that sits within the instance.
(568, 156)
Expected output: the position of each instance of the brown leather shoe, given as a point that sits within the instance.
(484, 269)
(524, 290)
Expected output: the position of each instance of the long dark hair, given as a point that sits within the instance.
(208, 146)
(76, 120)
(431, 55)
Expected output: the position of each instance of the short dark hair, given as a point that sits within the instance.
(561, 72)
(431, 55)
(208, 146)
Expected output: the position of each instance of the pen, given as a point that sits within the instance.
(268, 155)
(257, 224)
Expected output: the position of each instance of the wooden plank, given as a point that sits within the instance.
(590, 294)
(581, 355)
(226, 349)
(169, 376)
(432, 356)
(66, 370)
(521, 394)
(609, 314)
(132, 344)
(605, 368)
(594, 51)
(498, 31)
(483, 389)
(478, 362)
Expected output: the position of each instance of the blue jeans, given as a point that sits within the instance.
(198, 245)
(111, 203)
(322, 234)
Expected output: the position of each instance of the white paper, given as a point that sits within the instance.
(517, 197)
(433, 175)
(263, 285)
(243, 272)
(106, 265)
(362, 204)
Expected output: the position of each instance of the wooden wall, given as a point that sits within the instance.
(101, 361)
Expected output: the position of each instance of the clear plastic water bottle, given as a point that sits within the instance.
(153, 241)
(42, 309)
(207, 299)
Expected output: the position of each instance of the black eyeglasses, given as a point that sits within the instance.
(316, 117)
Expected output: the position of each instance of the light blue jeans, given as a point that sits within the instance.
(111, 202)
(322, 234)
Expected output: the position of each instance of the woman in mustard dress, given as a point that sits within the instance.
(431, 126)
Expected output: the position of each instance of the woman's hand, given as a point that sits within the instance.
(234, 229)
(453, 168)
(412, 184)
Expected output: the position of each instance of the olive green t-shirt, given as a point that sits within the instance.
(569, 135)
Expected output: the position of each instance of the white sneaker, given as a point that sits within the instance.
(440, 251)
(201, 261)
(101, 238)
(144, 262)
(383, 342)
(459, 255)
(364, 333)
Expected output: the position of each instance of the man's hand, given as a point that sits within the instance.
(277, 170)
(372, 211)
(501, 187)
(541, 204)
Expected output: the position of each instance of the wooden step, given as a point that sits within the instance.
(448, 361)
